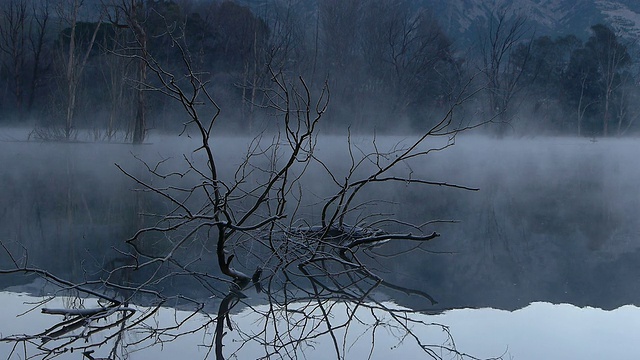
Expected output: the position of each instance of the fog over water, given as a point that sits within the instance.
(554, 219)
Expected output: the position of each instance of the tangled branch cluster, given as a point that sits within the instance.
(304, 270)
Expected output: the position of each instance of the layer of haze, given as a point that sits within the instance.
(554, 219)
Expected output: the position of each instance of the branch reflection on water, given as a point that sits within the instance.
(315, 272)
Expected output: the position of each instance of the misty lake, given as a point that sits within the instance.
(541, 262)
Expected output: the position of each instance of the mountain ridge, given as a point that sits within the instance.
(462, 19)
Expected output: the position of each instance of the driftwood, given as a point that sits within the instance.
(79, 318)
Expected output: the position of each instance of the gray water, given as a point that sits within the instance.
(565, 332)
(555, 219)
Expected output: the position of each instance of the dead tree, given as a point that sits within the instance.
(133, 18)
(502, 37)
(264, 244)
(74, 58)
(131, 15)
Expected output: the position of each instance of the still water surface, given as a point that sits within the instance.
(554, 222)
(537, 331)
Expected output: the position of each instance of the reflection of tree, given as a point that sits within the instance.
(258, 219)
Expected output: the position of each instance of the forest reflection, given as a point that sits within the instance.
(551, 217)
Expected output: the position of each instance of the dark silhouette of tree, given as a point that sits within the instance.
(408, 58)
(504, 34)
(23, 27)
(594, 80)
(239, 36)
(39, 48)
(14, 31)
(385, 58)
(612, 57)
(582, 90)
(545, 63)
(339, 25)
(134, 15)
(74, 55)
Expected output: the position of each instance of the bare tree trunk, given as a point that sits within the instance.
(74, 65)
(41, 20)
(139, 129)
(254, 79)
(71, 104)
(140, 126)
(605, 128)
(243, 83)
(116, 73)
(503, 78)
(71, 74)
(580, 109)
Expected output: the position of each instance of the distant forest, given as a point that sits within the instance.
(70, 67)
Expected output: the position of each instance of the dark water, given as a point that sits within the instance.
(555, 219)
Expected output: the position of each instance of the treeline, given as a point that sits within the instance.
(70, 66)
(585, 88)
